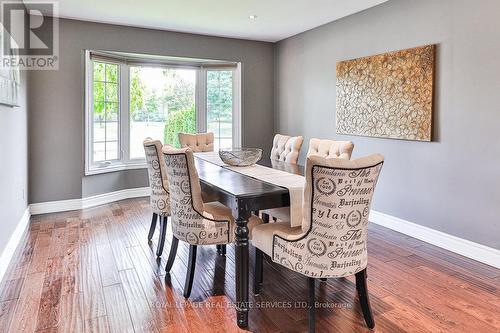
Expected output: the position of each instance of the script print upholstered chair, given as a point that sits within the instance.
(193, 221)
(286, 148)
(199, 142)
(158, 182)
(332, 240)
(317, 147)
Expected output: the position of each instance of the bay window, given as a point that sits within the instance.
(129, 98)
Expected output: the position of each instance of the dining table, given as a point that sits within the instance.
(243, 195)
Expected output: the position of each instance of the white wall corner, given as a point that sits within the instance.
(13, 242)
(464, 247)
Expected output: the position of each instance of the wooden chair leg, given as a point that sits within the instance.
(258, 271)
(265, 218)
(163, 231)
(190, 271)
(152, 227)
(311, 305)
(364, 300)
(172, 254)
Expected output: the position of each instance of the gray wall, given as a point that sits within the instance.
(451, 184)
(13, 164)
(57, 102)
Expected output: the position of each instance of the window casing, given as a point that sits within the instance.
(108, 122)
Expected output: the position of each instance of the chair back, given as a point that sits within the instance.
(337, 200)
(158, 181)
(190, 222)
(199, 142)
(330, 148)
(286, 148)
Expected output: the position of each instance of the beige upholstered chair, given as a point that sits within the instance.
(193, 221)
(158, 181)
(330, 148)
(286, 148)
(318, 147)
(332, 240)
(200, 142)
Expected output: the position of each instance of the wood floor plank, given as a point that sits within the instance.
(25, 315)
(49, 310)
(137, 303)
(117, 311)
(71, 313)
(97, 325)
(7, 309)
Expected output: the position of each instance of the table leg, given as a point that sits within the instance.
(241, 251)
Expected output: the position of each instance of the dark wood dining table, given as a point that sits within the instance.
(244, 195)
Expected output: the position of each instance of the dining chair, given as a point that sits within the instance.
(199, 142)
(317, 147)
(158, 182)
(330, 148)
(286, 148)
(193, 221)
(331, 243)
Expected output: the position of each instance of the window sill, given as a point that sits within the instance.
(115, 168)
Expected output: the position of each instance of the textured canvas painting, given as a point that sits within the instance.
(388, 95)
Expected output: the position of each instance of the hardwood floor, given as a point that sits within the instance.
(93, 271)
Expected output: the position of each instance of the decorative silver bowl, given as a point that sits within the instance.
(240, 156)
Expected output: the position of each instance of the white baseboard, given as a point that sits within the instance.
(466, 248)
(14, 241)
(96, 200)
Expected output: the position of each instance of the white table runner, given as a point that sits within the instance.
(294, 183)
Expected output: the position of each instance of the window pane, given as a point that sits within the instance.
(99, 154)
(111, 131)
(106, 127)
(98, 110)
(111, 151)
(162, 104)
(111, 111)
(111, 92)
(98, 94)
(111, 73)
(99, 71)
(220, 106)
(99, 132)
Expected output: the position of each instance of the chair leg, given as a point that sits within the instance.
(152, 227)
(311, 305)
(265, 218)
(258, 271)
(364, 300)
(172, 254)
(190, 271)
(163, 231)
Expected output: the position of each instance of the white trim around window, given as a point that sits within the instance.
(124, 162)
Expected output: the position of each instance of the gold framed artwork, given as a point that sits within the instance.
(388, 95)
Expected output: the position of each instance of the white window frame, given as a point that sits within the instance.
(125, 162)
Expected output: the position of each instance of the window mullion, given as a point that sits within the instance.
(124, 113)
(201, 100)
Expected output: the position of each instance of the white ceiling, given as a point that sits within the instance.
(277, 19)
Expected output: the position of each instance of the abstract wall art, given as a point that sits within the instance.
(388, 95)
